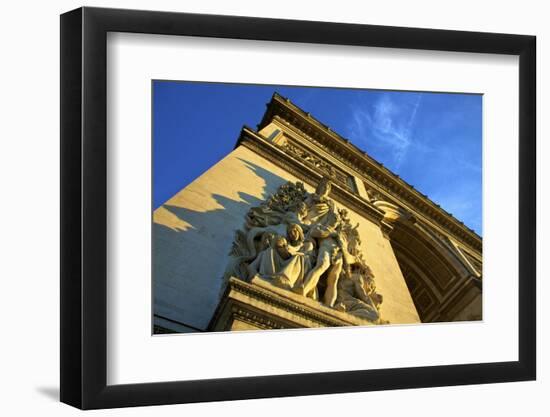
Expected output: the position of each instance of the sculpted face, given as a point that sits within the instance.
(302, 210)
(280, 242)
(323, 189)
(267, 238)
(353, 246)
(295, 233)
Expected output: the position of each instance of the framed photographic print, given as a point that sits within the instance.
(256, 208)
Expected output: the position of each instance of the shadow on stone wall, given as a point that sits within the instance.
(189, 261)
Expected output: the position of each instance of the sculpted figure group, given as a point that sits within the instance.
(301, 242)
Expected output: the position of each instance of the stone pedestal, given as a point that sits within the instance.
(259, 305)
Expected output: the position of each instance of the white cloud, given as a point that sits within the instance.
(388, 123)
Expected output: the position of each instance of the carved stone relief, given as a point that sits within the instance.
(303, 243)
(324, 167)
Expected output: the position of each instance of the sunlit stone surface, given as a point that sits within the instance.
(412, 262)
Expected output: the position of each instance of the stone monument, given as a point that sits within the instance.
(296, 228)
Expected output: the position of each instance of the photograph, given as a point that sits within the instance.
(286, 207)
(244, 208)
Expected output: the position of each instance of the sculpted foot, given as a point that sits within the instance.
(281, 282)
(299, 290)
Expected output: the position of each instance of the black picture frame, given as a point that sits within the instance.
(84, 207)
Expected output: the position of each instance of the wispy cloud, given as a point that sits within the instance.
(387, 122)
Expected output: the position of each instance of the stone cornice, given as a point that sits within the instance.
(323, 137)
(261, 146)
(303, 310)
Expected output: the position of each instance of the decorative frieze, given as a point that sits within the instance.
(308, 174)
(318, 163)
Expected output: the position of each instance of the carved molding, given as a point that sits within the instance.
(319, 164)
(273, 153)
(393, 213)
(284, 304)
(255, 319)
(243, 301)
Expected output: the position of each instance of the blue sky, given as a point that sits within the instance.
(432, 140)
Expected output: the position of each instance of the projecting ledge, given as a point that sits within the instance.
(259, 305)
